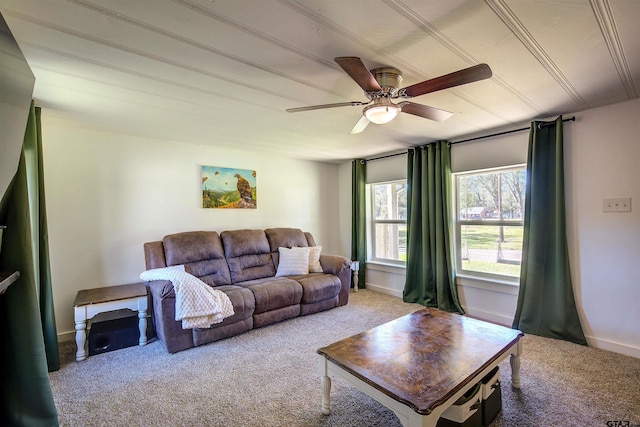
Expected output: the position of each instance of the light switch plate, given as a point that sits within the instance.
(616, 205)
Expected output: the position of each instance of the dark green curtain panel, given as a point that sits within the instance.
(359, 217)
(546, 304)
(28, 333)
(430, 279)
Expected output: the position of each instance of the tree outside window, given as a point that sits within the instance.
(489, 221)
(389, 221)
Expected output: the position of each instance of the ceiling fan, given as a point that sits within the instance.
(381, 85)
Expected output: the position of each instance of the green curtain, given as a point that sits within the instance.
(430, 275)
(28, 334)
(546, 304)
(359, 217)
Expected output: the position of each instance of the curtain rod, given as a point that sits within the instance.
(540, 126)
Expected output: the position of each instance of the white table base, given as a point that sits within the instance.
(85, 312)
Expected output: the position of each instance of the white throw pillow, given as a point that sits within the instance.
(314, 259)
(293, 261)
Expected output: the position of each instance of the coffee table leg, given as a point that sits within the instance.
(142, 325)
(326, 395)
(515, 365)
(326, 385)
(81, 339)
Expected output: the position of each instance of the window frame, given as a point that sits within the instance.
(458, 223)
(373, 222)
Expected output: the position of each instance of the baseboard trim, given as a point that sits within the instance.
(384, 290)
(67, 336)
(489, 316)
(480, 314)
(594, 342)
(613, 346)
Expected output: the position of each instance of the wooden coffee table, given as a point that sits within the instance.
(420, 364)
(90, 302)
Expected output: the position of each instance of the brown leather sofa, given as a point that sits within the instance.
(242, 264)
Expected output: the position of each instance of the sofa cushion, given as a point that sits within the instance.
(201, 253)
(243, 304)
(272, 293)
(318, 287)
(244, 242)
(277, 315)
(285, 238)
(183, 248)
(241, 321)
(248, 256)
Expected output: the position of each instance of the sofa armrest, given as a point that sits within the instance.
(168, 330)
(161, 289)
(341, 267)
(334, 264)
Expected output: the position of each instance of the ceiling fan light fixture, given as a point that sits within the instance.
(381, 113)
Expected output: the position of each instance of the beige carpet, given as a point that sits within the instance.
(269, 377)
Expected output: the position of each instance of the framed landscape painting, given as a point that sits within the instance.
(228, 188)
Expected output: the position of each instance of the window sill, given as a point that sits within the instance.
(386, 267)
(495, 285)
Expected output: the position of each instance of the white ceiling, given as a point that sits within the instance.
(222, 72)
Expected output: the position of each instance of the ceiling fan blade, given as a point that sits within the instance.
(358, 72)
(425, 111)
(461, 77)
(360, 126)
(319, 107)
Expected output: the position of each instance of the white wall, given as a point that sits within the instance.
(108, 193)
(602, 160)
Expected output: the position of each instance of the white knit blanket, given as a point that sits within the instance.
(198, 305)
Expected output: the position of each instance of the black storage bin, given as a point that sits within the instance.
(491, 396)
(113, 334)
(465, 412)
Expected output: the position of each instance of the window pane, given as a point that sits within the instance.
(391, 241)
(495, 196)
(491, 249)
(390, 201)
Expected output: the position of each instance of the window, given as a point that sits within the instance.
(389, 221)
(489, 222)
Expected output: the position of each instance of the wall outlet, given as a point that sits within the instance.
(616, 205)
